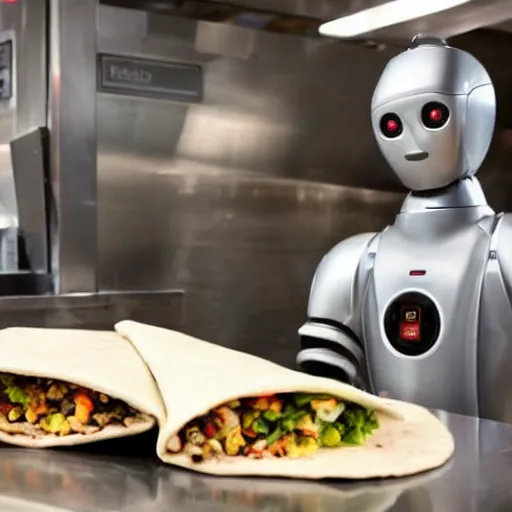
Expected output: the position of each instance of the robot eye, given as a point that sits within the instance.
(434, 115)
(391, 126)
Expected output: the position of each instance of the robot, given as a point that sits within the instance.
(421, 311)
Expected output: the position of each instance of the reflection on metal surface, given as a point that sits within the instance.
(25, 24)
(72, 123)
(29, 155)
(234, 494)
(22, 108)
(8, 207)
(244, 248)
(277, 108)
(8, 214)
(112, 479)
(73, 482)
(114, 483)
(94, 311)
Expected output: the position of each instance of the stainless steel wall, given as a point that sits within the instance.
(236, 199)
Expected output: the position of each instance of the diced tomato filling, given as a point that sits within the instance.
(5, 408)
(210, 430)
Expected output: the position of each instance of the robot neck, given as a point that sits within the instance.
(465, 193)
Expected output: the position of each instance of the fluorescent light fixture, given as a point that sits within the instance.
(390, 13)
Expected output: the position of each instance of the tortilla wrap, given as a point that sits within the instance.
(98, 360)
(195, 376)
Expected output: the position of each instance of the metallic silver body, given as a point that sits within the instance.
(455, 263)
(446, 244)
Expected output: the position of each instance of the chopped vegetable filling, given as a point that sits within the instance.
(36, 407)
(291, 425)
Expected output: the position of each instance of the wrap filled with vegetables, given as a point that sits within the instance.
(66, 387)
(231, 413)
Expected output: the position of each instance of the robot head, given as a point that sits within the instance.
(433, 114)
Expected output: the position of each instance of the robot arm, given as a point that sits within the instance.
(331, 339)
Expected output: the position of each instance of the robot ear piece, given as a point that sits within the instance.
(424, 40)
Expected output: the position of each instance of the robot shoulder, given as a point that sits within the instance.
(332, 291)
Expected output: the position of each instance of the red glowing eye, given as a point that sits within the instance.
(392, 125)
(436, 114)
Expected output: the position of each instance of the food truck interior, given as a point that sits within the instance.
(204, 200)
(205, 207)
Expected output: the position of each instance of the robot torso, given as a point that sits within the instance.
(436, 318)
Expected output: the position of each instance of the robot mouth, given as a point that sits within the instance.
(416, 156)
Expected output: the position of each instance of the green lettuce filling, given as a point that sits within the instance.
(15, 394)
(337, 423)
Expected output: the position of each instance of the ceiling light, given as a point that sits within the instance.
(390, 13)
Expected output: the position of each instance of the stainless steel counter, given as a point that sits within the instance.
(99, 479)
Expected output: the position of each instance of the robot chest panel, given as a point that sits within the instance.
(424, 289)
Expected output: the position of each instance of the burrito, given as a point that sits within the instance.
(232, 413)
(66, 387)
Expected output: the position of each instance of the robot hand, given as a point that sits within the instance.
(327, 351)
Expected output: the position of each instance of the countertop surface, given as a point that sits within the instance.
(125, 476)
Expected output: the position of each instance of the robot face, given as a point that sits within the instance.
(433, 114)
(420, 137)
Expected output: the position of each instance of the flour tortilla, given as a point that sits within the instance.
(98, 360)
(195, 376)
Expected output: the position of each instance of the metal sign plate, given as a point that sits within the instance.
(146, 78)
